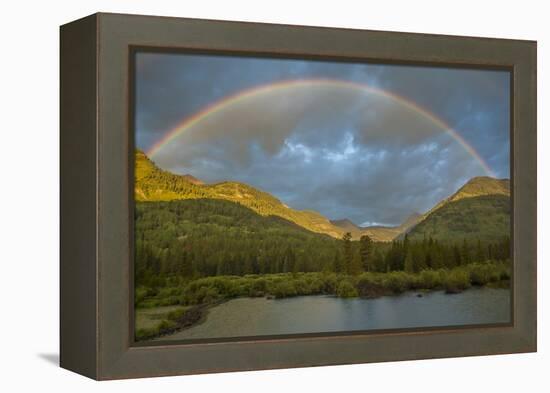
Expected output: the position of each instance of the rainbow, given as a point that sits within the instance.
(246, 94)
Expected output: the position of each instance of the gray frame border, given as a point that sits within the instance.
(106, 311)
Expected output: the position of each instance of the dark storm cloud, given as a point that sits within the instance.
(342, 152)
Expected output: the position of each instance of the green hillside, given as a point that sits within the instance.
(155, 184)
(210, 237)
(204, 237)
(478, 210)
(475, 187)
(485, 217)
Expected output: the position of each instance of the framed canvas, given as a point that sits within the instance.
(242, 196)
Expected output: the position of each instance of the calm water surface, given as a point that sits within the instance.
(316, 314)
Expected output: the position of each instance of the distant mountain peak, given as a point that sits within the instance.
(345, 223)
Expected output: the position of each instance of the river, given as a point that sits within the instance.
(319, 314)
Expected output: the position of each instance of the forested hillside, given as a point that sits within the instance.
(208, 237)
(155, 184)
(202, 237)
(482, 217)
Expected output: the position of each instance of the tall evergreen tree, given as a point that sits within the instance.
(480, 252)
(409, 262)
(355, 266)
(347, 251)
(465, 253)
(365, 250)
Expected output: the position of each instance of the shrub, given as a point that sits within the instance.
(168, 301)
(152, 292)
(429, 279)
(149, 333)
(315, 285)
(146, 333)
(258, 287)
(370, 285)
(228, 286)
(176, 314)
(330, 283)
(505, 274)
(140, 295)
(480, 274)
(209, 295)
(167, 325)
(456, 281)
(397, 282)
(506, 270)
(346, 289)
(283, 289)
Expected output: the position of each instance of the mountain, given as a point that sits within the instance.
(375, 232)
(478, 210)
(475, 187)
(348, 226)
(378, 233)
(387, 234)
(155, 184)
(381, 233)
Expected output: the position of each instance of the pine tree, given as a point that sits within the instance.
(465, 253)
(406, 244)
(347, 251)
(338, 263)
(355, 267)
(480, 254)
(409, 262)
(457, 258)
(379, 262)
(365, 250)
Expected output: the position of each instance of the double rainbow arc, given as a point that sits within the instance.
(256, 91)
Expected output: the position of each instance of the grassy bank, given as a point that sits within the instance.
(159, 324)
(192, 298)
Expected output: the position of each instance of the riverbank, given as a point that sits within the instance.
(197, 296)
(174, 321)
(260, 316)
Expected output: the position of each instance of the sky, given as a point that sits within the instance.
(372, 143)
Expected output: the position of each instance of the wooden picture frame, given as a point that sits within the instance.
(97, 200)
